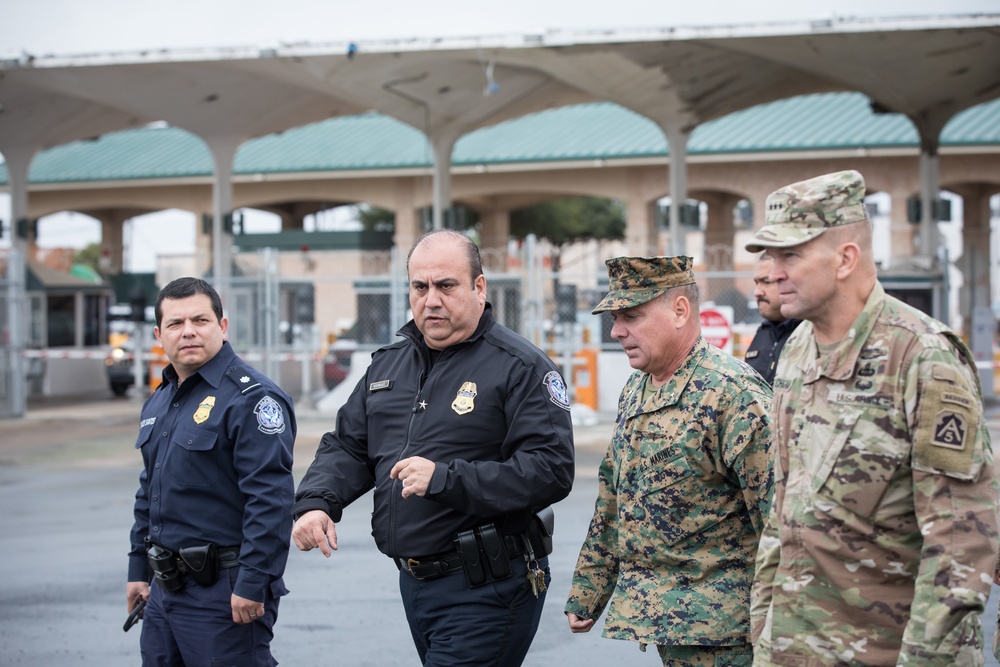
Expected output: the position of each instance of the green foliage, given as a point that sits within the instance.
(89, 255)
(564, 221)
(376, 219)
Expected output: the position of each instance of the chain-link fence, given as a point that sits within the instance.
(303, 328)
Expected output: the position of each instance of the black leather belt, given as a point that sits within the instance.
(228, 557)
(443, 565)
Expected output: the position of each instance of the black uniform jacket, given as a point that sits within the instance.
(765, 348)
(491, 412)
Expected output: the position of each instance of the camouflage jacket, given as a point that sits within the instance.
(684, 491)
(880, 546)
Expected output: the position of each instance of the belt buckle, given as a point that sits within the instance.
(410, 564)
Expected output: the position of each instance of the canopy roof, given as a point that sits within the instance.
(592, 131)
(928, 68)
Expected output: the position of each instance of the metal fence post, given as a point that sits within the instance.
(16, 326)
(397, 293)
(269, 268)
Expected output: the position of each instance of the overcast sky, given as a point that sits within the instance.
(65, 27)
(81, 26)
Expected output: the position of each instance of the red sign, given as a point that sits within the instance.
(716, 328)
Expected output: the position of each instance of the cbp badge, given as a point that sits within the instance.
(270, 419)
(465, 400)
(204, 410)
(556, 386)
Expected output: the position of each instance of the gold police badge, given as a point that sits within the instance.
(465, 400)
(204, 410)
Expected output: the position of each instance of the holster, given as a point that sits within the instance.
(202, 563)
(163, 563)
(484, 555)
(540, 529)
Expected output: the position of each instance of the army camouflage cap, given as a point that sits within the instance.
(636, 280)
(802, 211)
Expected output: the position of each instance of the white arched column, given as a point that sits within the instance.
(223, 149)
(677, 140)
(442, 144)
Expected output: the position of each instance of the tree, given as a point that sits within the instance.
(565, 221)
(89, 255)
(381, 220)
(376, 219)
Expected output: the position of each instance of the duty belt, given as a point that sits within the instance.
(228, 557)
(443, 565)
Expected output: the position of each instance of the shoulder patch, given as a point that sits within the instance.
(947, 429)
(270, 417)
(556, 387)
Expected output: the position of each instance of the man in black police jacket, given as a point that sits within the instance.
(765, 348)
(463, 429)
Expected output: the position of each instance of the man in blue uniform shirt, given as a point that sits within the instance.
(463, 430)
(213, 509)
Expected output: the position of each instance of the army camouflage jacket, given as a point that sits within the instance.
(684, 491)
(880, 546)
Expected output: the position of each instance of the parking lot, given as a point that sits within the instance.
(68, 474)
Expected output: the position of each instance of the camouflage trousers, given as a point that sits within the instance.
(706, 656)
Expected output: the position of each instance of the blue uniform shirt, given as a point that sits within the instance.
(217, 467)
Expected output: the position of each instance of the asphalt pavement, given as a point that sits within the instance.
(68, 475)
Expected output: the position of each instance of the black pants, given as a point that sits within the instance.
(193, 627)
(489, 626)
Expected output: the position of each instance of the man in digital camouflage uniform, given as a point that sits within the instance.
(880, 546)
(685, 486)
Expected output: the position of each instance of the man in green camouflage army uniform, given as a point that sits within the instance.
(880, 546)
(685, 486)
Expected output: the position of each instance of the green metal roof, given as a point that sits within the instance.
(583, 132)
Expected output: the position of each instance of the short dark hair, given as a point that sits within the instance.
(471, 250)
(182, 288)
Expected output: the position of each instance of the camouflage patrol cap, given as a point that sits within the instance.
(636, 280)
(802, 211)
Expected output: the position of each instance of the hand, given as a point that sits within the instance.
(415, 473)
(246, 611)
(135, 591)
(315, 529)
(577, 624)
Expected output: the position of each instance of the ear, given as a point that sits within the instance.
(156, 334)
(848, 256)
(224, 324)
(681, 310)
(480, 285)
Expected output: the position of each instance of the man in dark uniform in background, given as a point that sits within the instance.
(213, 509)
(765, 348)
(463, 429)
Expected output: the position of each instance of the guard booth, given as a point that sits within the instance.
(919, 285)
(379, 310)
